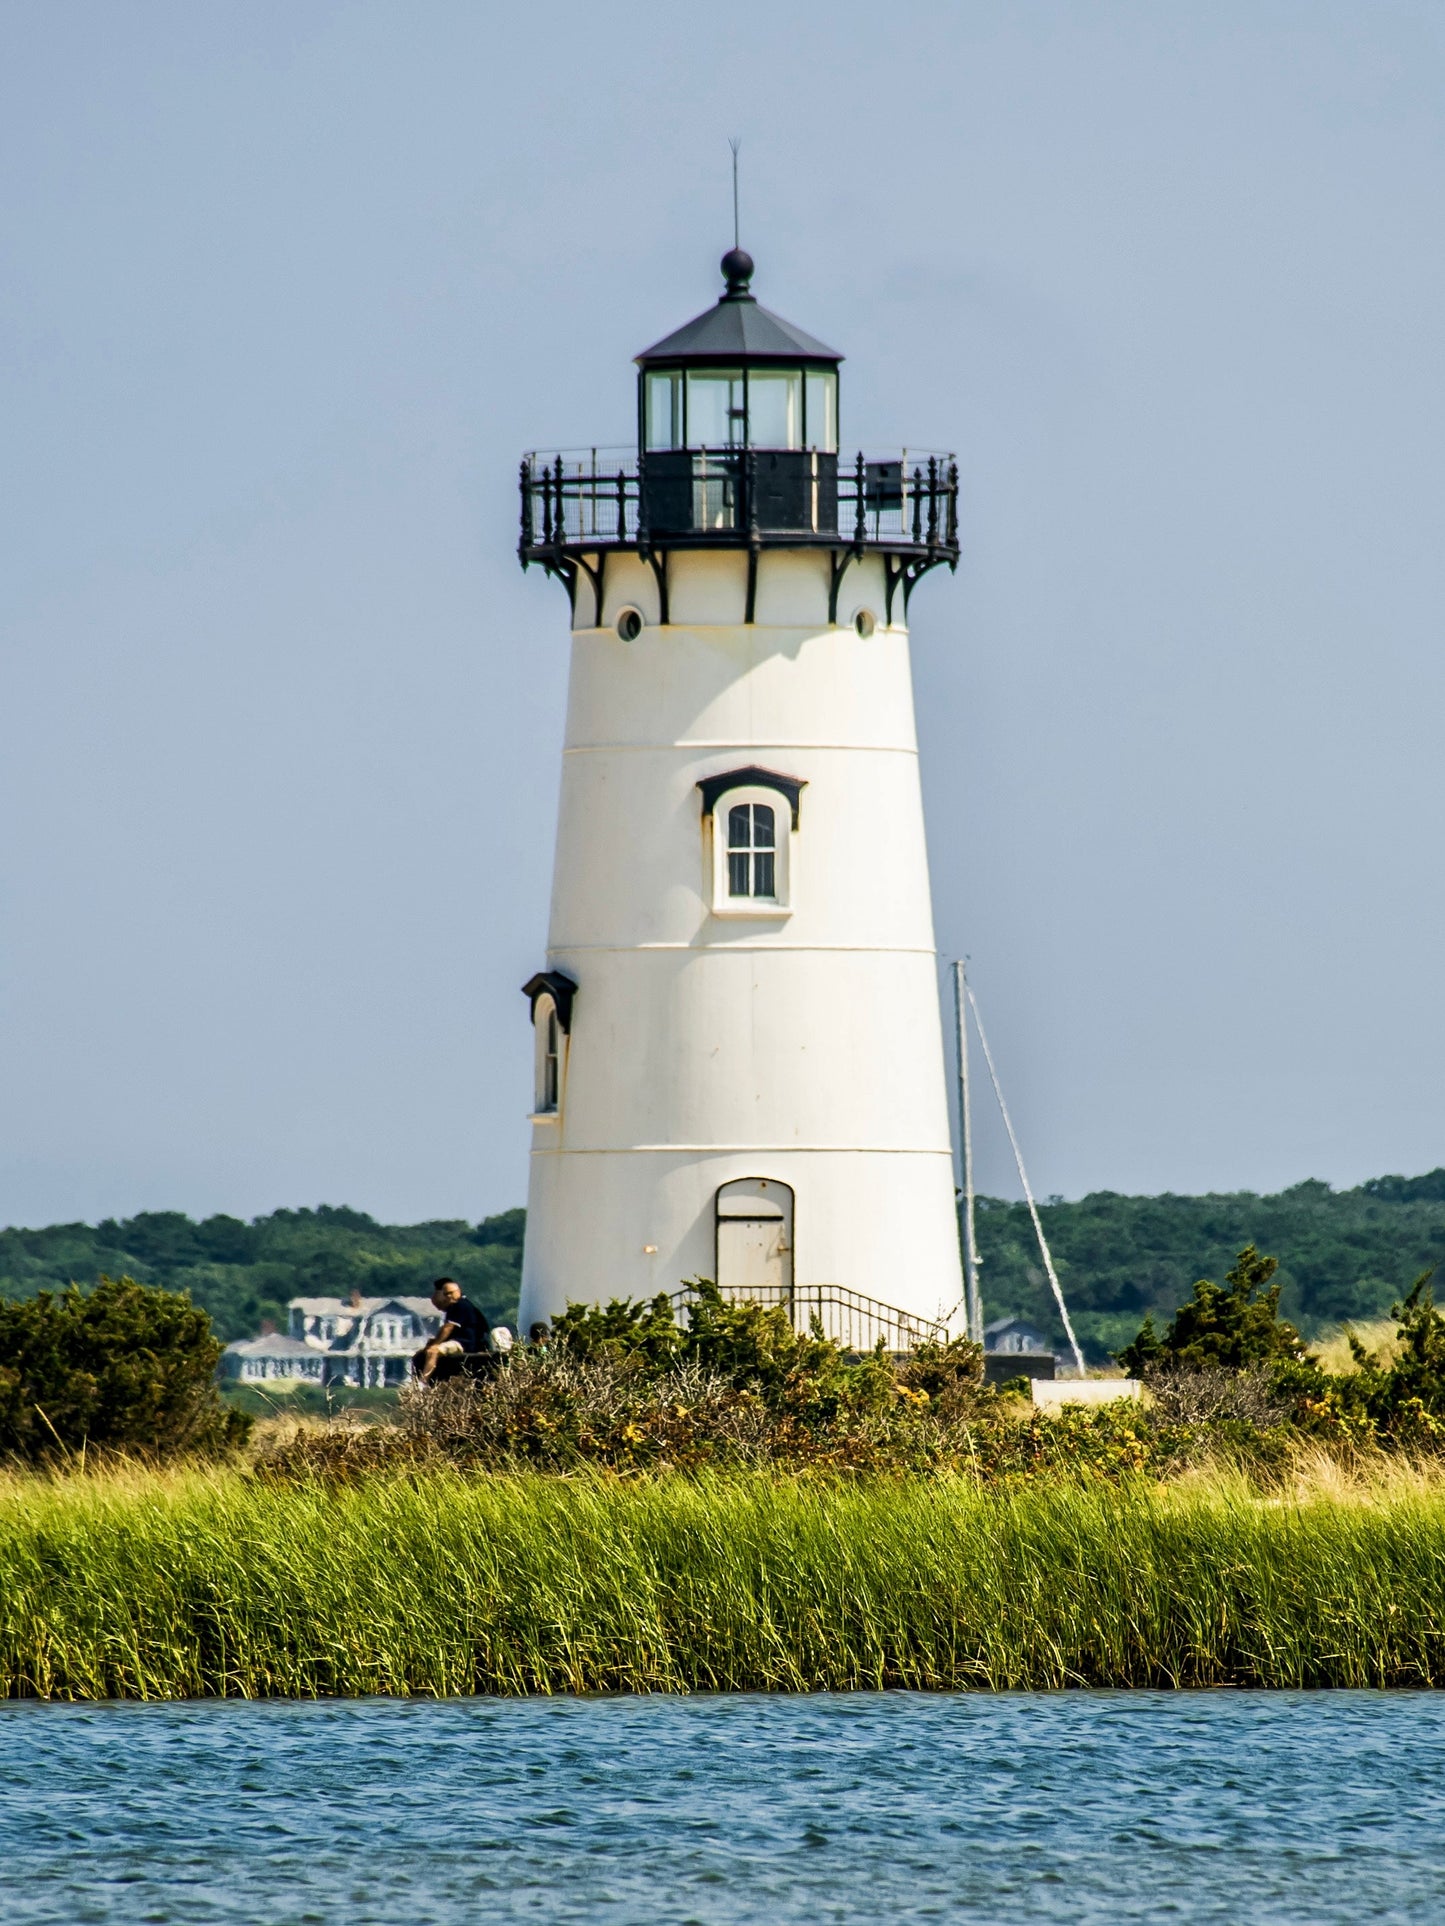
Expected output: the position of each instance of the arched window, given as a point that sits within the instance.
(751, 820)
(752, 851)
(549, 1056)
(550, 994)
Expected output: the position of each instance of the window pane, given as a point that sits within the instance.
(714, 492)
(775, 408)
(739, 826)
(549, 1032)
(663, 393)
(714, 408)
(822, 409)
(763, 837)
(738, 866)
(763, 874)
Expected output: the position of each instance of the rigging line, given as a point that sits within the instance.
(1024, 1180)
(735, 144)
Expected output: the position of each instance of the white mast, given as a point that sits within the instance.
(965, 1139)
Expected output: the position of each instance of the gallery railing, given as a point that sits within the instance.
(581, 499)
(853, 1320)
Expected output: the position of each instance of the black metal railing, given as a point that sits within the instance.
(577, 500)
(853, 1320)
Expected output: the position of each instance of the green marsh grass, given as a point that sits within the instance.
(137, 1584)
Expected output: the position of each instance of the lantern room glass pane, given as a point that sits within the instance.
(715, 416)
(663, 393)
(822, 425)
(775, 408)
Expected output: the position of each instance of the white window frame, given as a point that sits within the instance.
(780, 903)
(549, 1048)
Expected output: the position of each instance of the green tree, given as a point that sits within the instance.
(1344, 1255)
(123, 1366)
(1231, 1328)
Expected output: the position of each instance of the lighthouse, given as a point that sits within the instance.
(738, 1055)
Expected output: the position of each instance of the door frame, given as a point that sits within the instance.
(787, 1205)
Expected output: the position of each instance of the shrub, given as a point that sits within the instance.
(623, 1387)
(1415, 1382)
(1230, 1328)
(623, 1328)
(122, 1367)
(1400, 1403)
(1230, 1365)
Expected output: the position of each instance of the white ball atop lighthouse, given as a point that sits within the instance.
(739, 1058)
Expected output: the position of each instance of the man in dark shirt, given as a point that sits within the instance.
(465, 1335)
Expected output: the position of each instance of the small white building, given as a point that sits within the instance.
(1014, 1348)
(1015, 1336)
(363, 1341)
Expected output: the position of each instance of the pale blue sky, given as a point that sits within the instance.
(285, 289)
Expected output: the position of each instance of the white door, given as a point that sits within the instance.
(755, 1238)
(749, 1253)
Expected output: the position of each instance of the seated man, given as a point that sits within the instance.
(463, 1342)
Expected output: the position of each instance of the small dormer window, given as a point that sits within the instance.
(550, 994)
(750, 818)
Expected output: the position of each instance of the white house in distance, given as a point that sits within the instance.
(363, 1341)
(739, 1058)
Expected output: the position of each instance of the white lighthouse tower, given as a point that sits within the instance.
(739, 1061)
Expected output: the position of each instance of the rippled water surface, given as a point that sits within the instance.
(1082, 1807)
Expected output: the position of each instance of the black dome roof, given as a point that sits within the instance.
(738, 329)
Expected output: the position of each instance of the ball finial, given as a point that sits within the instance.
(737, 267)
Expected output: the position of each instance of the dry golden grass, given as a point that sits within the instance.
(1317, 1475)
(1378, 1335)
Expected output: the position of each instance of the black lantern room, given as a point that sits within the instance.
(738, 420)
(738, 446)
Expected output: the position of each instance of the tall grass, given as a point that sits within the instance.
(147, 1585)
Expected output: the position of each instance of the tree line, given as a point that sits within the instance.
(1344, 1255)
(241, 1273)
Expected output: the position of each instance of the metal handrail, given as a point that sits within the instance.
(594, 498)
(852, 1319)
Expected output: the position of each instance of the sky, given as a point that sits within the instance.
(286, 287)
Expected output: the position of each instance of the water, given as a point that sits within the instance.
(1086, 1807)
